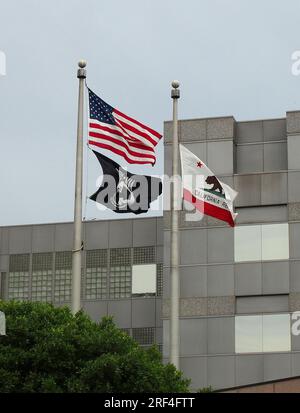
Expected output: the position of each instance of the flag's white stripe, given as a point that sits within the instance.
(138, 127)
(121, 149)
(131, 135)
(111, 134)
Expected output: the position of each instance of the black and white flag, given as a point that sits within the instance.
(124, 192)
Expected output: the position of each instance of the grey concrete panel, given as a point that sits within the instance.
(293, 122)
(248, 279)
(249, 190)
(43, 238)
(193, 336)
(220, 157)
(193, 246)
(193, 281)
(120, 233)
(274, 129)
(193, 130)
(221, 372)
(249, 369)
(144, 232)
(190, 307)
(254, 215)
(277, 366)
(158, 312)
(293, 145)
(294, 211)
(20, 240)
(293, 186)
(160, 231)
(294, 302)
(96, 235)
(4, 263)
(63, 237)
(248, 132)
(276, 277)
(95, 309)
(220, 305)
(275, 156)
(295, 361)
(220, 245)
(4, 233)
(220, 280)
(143, 312)
(121, 312)
(294, 234)
(263, 304)
(159, 254)
(168, 131)
(166, 335)
(167, 236)
(295, 327)
(220, 334)
(274, 188)
(159, 334)
(195, 368)
(220, 128)
(167, 219)
(168, 160)
(249, 158)
(295, 276)
(199, 149)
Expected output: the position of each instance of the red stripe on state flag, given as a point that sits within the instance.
(209, 209)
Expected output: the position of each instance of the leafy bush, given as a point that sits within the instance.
(47, 349)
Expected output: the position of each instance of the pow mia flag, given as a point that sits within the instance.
(124, 192)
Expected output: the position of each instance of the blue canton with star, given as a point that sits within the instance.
(100, 110)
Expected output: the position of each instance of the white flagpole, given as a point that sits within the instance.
(176, 201)
(77, 244)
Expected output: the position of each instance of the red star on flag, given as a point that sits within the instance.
(199, 164)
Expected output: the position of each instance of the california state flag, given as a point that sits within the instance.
(203, 189)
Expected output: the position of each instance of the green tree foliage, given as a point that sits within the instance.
(47, 349)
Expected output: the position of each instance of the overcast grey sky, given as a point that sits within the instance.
(232, 57)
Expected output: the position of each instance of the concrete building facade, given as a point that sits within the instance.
(238, 286)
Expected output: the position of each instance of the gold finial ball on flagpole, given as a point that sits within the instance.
(175, 84)
(82, 63)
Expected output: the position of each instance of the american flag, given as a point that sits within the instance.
(113, 130)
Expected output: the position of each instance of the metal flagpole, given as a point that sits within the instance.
(77, 243)
(176, 202)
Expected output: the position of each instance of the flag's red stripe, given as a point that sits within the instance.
(121, 143)
(209, 209)
(131, 141)
(118, 152)
(130, 128)
(158, 135)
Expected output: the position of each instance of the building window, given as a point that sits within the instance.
(120, 273)
(262, 333)
(18, 282)
(143, 255)
(41, 282)
(2, 285)
(144, 279)
(120, 281)
(144, 336)
(63, 276)
(261, 242)
(96, 274)
(160, 281)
